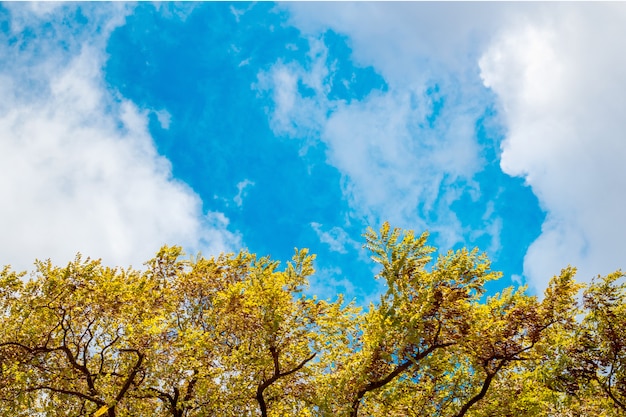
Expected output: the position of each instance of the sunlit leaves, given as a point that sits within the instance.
(592, 360)
(238, 335)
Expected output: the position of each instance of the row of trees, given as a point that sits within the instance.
(236, 336)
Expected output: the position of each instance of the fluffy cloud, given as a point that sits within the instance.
(79, 171)
(560, 76)
(409, 42)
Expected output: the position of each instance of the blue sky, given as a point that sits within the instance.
(267, 126)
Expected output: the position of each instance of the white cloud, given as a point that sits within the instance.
(242, 187)
(293, 114)
(408, 42)
(237, 13)
(560, 75)
(328, 283)
(400, 162)
(164, 117)
(336, 238)
(394, 167)
(78, 169)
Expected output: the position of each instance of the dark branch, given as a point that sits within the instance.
(277, 375)
(95, 400)
(392, 375)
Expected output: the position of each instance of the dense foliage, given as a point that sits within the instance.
(236, 336)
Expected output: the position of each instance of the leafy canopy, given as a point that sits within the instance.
(238, 335)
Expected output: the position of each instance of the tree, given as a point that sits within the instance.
(272, 333)
(81, 335)
(422, 313)
(431, 339)
(511, 333)
(592, 362)
(243, 336)
(238, 335)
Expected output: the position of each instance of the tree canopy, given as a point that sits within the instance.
(239, 335)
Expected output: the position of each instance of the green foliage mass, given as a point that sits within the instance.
(236, 335)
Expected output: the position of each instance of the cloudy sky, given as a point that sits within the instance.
(269, 126)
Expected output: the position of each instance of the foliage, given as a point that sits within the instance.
(593, 356)
(237, 335)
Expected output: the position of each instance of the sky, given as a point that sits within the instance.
(270, 126)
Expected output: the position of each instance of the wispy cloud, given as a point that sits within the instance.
(242, 187)
(164, 117)
(295, 114)
(336, 238)
(405, 153)
(78, 169)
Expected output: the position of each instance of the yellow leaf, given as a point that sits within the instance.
(101, 411)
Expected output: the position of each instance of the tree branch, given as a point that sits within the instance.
(392, 375)
(95, 400)
(483, 390)
(277, 375)
(132, 375)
